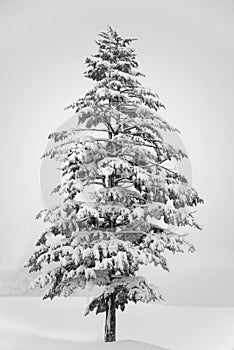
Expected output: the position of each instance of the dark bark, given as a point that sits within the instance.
(110, 321)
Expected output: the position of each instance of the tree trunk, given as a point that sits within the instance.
(110, 321)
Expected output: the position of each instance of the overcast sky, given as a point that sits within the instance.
(185, 49)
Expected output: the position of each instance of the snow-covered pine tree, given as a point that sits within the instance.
(126, 221)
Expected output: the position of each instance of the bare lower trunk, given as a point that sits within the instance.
(110, 321)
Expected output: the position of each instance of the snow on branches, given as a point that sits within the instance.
(125, 222)
(134, 288)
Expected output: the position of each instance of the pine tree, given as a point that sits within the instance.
(126, 222)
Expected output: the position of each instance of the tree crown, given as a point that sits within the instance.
(135, 201)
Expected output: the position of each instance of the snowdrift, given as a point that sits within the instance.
(33, 324)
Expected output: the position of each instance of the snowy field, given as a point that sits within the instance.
(33, 324)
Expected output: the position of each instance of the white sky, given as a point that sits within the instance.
(186, 50)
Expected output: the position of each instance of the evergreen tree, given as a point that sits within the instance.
(126, 221)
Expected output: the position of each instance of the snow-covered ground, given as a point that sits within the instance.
(33, 324)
